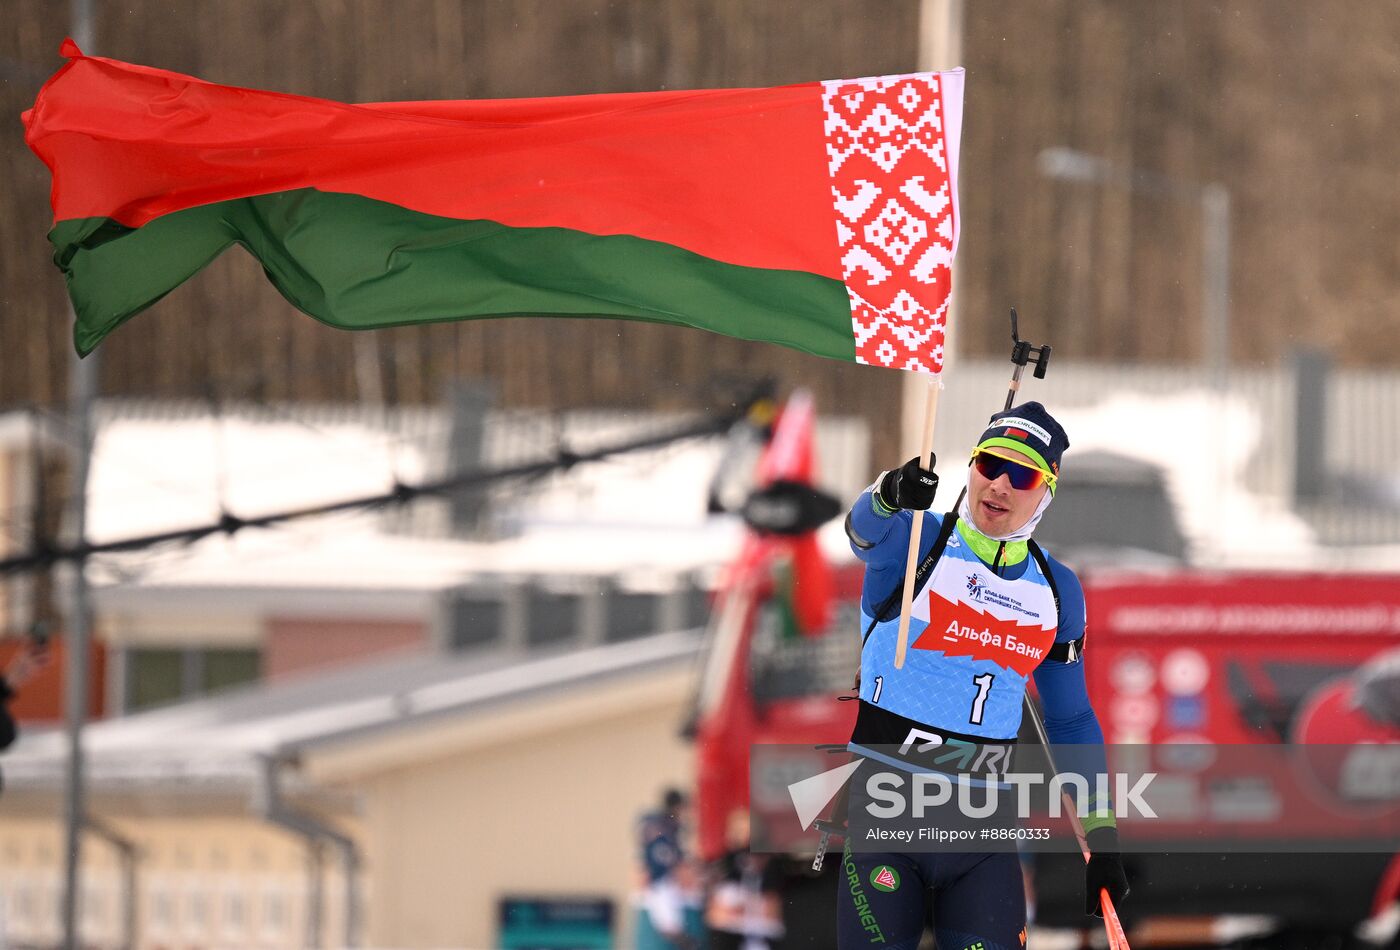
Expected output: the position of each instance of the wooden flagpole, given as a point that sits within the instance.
(916, 529)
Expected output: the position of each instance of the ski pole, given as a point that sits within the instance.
(1023, 353)
(1117, 938)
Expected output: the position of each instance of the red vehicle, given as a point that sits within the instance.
(1176, 657)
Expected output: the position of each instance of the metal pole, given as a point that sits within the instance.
(350, 865)
(268, 802)
(75, 684)
(82, 388)
(79, 637)
(315, 871)
(1215, 332)
(128, 854)
(1215, 303)
(1068, 164)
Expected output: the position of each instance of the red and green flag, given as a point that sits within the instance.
(822, 216)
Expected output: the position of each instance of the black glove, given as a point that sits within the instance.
(909, 486)
(1104, 870)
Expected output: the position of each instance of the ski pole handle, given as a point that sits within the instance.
(820, 858)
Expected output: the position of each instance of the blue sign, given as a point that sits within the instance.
(1186, 712)
(572, 923)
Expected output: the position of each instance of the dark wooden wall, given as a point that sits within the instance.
(1289, 103)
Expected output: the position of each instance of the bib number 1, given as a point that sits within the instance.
(984, 686)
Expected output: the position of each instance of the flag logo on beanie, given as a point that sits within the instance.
(1023, 429)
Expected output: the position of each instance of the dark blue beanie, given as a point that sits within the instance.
(1030, 430)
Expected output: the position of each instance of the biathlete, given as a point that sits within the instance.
(960, 684)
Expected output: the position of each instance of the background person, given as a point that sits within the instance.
(29, 660)
(24, 664)
(744, 910)
(666, 887)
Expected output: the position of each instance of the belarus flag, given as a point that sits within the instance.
(821, 216)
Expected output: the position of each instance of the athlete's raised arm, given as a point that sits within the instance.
(878, 525)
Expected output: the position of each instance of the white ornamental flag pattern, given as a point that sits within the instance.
(891, 145)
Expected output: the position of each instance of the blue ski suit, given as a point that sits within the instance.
(976, 636)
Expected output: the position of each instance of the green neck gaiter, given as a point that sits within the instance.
(986, 549)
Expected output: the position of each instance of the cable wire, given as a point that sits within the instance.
(401, 494)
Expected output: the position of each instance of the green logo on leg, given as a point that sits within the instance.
(884, 878)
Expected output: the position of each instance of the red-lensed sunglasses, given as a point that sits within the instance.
(1023, 477)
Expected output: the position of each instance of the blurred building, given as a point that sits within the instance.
(401, 800)
(459, 663)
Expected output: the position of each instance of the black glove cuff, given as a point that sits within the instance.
(1102, 841)
(888, 491)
